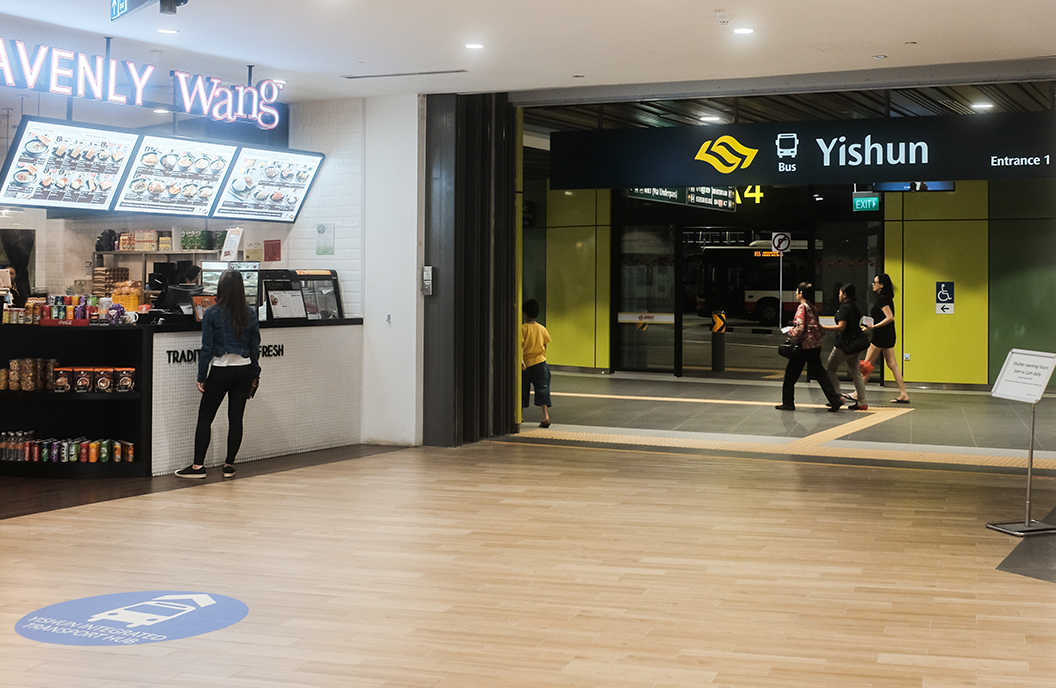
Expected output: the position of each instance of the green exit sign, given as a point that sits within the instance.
(864, 202)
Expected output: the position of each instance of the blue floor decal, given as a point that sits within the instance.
(132, 618)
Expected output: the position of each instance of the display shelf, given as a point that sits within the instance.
(70, 396)
(99, 258)
(35, 469)
(96, 415)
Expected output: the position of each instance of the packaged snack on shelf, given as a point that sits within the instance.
(104, 379)
(62, 379)
(83, 379)
(125, 379)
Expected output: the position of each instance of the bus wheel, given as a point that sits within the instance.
(768, 310)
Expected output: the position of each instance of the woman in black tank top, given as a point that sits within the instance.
(883, 328)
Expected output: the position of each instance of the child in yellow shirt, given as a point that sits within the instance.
(535, 372)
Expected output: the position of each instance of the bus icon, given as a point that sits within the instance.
(787, 145)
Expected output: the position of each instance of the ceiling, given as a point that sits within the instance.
(541, 44)
(558, 44)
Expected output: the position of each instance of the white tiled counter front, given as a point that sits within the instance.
(309, 396)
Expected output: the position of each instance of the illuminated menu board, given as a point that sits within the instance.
(268, 185)
(175, 176)
(56, 165)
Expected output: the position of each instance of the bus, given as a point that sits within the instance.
(743, 281)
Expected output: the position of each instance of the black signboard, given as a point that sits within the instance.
(984, 146)
(175, 176)
(268, 184)
(60, 165)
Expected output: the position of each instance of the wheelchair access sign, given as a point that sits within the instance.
(944, 298)
(132, 618)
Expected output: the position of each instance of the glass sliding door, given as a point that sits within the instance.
(645, 307)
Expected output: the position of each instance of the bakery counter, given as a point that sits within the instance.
(309, 396)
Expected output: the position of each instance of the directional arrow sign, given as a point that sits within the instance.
(120, 8)
(944, 298)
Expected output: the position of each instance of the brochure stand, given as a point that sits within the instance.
(1024, 377)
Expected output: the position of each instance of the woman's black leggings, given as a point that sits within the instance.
(234, 382)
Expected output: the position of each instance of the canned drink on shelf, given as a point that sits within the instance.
(115, 451)
(64, 451)
(129, 451)
(93, 451)
(45, 451)
(73, 451)
(104, 451)
(34, 450)
(82, 452)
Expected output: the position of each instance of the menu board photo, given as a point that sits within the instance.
(268, 185)
(175, 176)
(57, 165)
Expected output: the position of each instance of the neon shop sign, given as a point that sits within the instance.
(92, 77)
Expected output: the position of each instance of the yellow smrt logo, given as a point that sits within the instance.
(727, 155)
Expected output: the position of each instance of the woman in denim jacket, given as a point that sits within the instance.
(228, 365)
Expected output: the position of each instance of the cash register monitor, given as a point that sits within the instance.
(178, 295)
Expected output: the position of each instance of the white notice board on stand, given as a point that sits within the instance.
(1024, 376)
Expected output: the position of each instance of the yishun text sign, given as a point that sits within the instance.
(985, 146)
(123, 82)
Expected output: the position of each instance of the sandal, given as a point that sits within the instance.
(900, 401)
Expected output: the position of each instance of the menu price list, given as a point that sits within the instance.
(176, 176)
(67, 167)
(268, 185)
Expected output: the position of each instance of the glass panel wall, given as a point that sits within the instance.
(645, 309)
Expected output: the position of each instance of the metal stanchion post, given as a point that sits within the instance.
(718, 341)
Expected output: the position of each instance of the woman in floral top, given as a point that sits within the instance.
(807, 331)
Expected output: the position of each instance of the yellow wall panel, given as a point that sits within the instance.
(970, 201)
(893, 206)
(576, 208)
(945, 348)
(603, 291)
(571, 284)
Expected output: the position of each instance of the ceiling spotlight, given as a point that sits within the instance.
(474, 46)
(982, 106)
(879, 57)
(172, 31)
(744, 30)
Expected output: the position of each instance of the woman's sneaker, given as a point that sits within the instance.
(229, 470)
(191, 472)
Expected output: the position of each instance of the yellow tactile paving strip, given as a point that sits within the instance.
(812, 445)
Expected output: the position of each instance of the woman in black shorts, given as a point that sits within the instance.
(883, 315)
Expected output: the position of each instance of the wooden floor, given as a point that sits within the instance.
(512, 565)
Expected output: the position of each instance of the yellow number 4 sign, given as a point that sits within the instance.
(755, 192)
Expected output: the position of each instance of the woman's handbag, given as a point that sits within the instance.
(790, 349)
(855, 344)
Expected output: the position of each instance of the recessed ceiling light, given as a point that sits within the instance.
(744, 30)
(710, 118)
(982, 106)
(879, 57)
(578, 76)
(474, 46)
(168, 30)
(162, 111)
